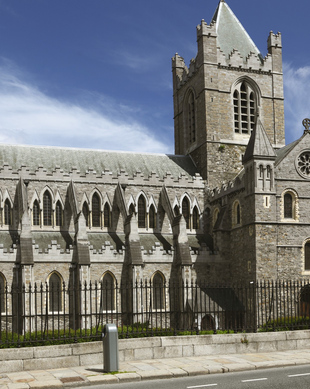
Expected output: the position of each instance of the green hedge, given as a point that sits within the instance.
(286, 324)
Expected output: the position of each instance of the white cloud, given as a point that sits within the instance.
(28, 116)
(297, 99)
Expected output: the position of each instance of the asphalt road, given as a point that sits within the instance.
(297, 377)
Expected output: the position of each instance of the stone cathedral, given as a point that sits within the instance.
(232, 204)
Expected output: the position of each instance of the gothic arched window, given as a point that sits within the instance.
(195, 219)
(141, 212)
(152, 217)
(107, 302)
(176, 210)
(131, 209)
(36, 213)
(106, 215)
(55, 293)
(186, 211)
(85, 211)
(96, 210)
(47, 208)
(244, 102)
(7, 213)
(158, 291)
(59, 214)
(191, 122)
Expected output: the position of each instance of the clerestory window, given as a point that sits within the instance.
(244, 108)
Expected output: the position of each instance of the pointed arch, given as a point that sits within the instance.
(36, 213)
(58, 214)
(55, 292)
(7, 212)
(96, 209)
(106, 215)
(158, 289)
(141, 211)
(85, 211)
(108, 292)
(195, 218)
(246, 101)
(152, 217)
(131, 206)
(47, 204)
(186, 206)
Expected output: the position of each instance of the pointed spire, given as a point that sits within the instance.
(259, 145)
(231, 35)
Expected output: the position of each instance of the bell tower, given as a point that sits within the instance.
(219, 96)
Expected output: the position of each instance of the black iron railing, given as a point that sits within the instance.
(60, 313)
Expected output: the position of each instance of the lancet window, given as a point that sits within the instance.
(47, 208)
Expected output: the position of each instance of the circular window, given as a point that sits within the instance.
(303, 164)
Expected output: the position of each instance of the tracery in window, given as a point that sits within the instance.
(106, 215)
(7, 213)
(244, 103)
(152, 217)
(96, 210)
(85, 211)
(47, 208)
(186, 211)
(36, 213)
(141, 212)
(59, 214)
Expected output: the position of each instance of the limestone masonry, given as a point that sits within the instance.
(231, 205)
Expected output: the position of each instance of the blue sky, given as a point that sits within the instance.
(97, 73)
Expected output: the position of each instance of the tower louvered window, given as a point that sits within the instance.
(47, 209)
(96, 211)
(36, 213)
(191, 118)
(244, 108)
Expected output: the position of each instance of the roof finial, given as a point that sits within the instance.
(306, 124)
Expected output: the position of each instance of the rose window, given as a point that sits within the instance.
(303, 164)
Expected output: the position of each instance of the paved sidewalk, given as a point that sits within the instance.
(152, 369)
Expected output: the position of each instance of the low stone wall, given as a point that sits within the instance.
(83, 354)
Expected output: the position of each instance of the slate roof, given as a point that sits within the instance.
(99, 160)
(231, 34)
(259, 144)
